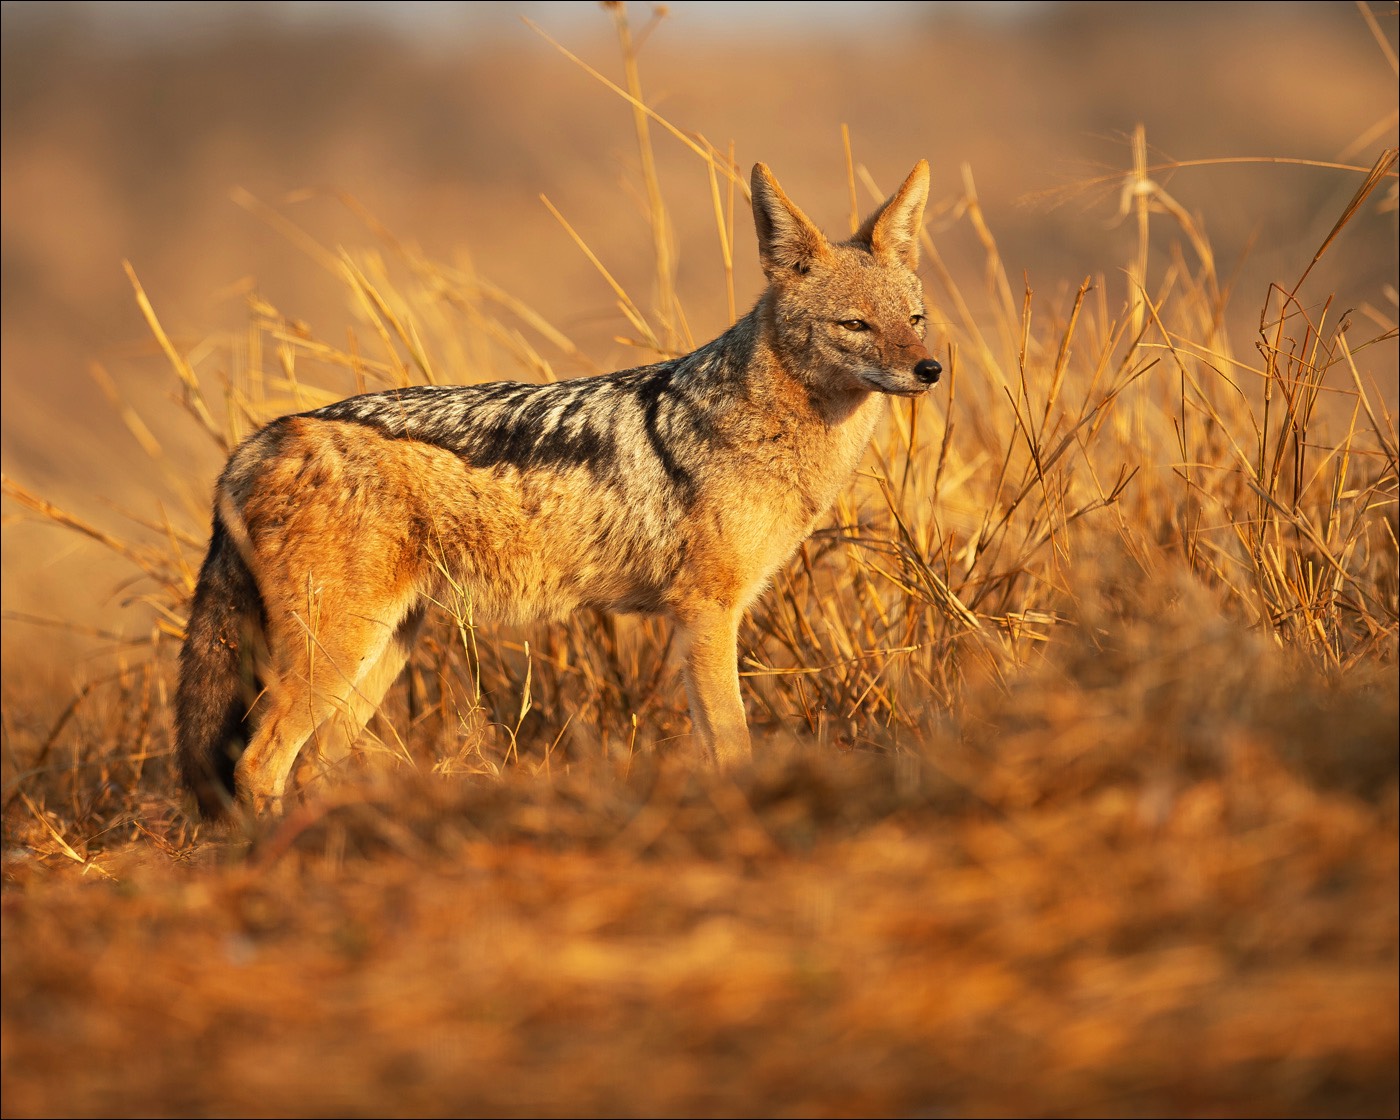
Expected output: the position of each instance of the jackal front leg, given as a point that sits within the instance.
(712, 683)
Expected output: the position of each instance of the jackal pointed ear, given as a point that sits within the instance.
(893, 230)
(787, 240)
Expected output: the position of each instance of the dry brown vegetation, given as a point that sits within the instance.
(1076, 790)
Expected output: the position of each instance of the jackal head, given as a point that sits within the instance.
(851, 314)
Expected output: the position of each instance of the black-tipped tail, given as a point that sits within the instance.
(216, 685)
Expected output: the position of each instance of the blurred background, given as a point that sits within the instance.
(129, 130)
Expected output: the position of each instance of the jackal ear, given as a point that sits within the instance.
(893, 230)
(787, 240)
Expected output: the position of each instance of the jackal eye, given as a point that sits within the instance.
(916, 320)
(853, 324)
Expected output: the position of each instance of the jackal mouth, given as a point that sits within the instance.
(925, 374)
(897, 390)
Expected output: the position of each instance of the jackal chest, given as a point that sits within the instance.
(757, 510)
(808, 464)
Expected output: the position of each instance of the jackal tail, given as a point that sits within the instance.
(217, 679)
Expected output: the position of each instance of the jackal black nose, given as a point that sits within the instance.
(928, 371)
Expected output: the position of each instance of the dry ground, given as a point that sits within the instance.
(1086, 900)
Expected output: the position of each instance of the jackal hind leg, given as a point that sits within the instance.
(712, 683)
(338, 733)
(324, 675)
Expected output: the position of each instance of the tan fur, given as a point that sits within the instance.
(676, 489)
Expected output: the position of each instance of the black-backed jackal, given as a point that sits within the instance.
(674, 489)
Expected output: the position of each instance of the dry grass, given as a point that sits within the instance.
(1076, 788)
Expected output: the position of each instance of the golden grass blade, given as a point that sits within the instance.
(379, 313)
(287, 228)
(193, 395)
(663, 264)
(146, 561)
(1381, 39)
(850, 176)
(1383, 167)
(726, 237)
(1057, 195)
(701, 148)
(630, 309)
